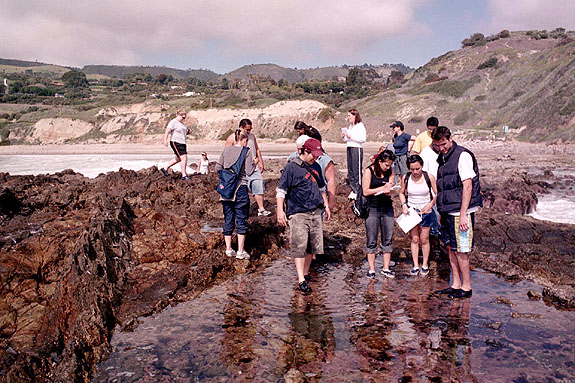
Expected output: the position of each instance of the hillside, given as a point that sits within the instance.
(120, 71)
(273, 71)
(521, 82)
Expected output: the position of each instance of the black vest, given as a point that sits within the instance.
(449, 185)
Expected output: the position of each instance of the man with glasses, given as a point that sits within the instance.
(302, 189)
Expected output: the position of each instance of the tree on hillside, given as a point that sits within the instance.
(75, 79)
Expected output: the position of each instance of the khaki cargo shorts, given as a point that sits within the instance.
(306, 233)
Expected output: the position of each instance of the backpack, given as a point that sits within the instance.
(229, 178)
(360, 206)
(427, 181)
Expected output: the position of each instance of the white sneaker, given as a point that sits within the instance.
(242, 255)
(264, 212)
(352, 195)
(230, 253)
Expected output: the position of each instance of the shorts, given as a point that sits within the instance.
(179, 149)
(306, 233)
(256, 183)
(400, 165)
(459, 241)
(428, 219)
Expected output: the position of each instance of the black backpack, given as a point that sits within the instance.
(360, 206)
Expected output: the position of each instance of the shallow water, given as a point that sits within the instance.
(257, 327)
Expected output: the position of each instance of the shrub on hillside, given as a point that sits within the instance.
(475, 39)
(488, 63)
(504, 34)
(461, 118)
(432, 77)
(326, 114)
(453, 88)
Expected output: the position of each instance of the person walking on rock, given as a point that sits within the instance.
(354, 136)
(236, 209)
(458, 198)
(175, 137)
(256, 180)
(301, 196)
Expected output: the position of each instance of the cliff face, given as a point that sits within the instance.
(81, 257)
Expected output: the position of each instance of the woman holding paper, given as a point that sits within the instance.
(354, 137)
(377, 184)
(421, 189)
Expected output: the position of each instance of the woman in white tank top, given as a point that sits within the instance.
(421, 196)
(203, 164)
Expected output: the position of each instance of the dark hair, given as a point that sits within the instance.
(355, 113)
(413, 159)
(432, 121)
(441, 132)
(308, 130)
(383, 156)
(240, 135)
(244, 122)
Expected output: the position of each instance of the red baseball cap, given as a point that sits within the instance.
(314, 146)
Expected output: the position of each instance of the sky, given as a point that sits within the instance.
(223, 35)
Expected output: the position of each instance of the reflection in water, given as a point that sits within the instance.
(257, 327)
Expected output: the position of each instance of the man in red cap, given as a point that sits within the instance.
(302, 190)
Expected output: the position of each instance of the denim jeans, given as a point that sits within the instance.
(236, 212)
(380, 220)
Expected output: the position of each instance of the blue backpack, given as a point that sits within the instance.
(230, 177)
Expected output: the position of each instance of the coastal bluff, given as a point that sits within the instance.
(81, 258)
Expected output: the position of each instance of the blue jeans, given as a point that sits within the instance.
(236, 212)
(380, 220)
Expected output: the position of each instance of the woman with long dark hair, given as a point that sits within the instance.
(377, 186)
(354, 136)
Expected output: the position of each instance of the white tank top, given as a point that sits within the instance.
(417, 194)
(204, 166)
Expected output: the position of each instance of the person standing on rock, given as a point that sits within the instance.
(355, 135)
(401, 142)
(302, 190)
(175, 137)
(256, 180)
(423, 139)
(237, 209)
(458, 198)
(203, 164)
(377, 185)
(419, 192)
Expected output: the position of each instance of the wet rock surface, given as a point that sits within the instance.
(80, 256)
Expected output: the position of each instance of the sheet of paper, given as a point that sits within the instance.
(408, 221)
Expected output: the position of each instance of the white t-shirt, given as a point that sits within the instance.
(178, 130)
(429, 158)
(357, 134)
(465, 168)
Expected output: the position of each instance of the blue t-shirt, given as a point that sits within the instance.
(401, 143)
(302, 191)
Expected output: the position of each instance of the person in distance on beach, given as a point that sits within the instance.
(300, 199)
(423, 139)
(458, 198)
(256, 180)
(302, 128)
(422, 197)
(236, 209)
(203, 164)
(175, 137)
(355, 135)
(377, 185)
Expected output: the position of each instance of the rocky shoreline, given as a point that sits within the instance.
(80, 258)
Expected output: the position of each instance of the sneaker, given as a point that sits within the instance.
(264, 212)
(352, 195)
(164, 171)
(446, 291)
(370, 274)
(304, 287)
(424, 270)
(388, 273)
(414, 271)
(185, 178)
(242, 255)
(461, 294)
(231, 253)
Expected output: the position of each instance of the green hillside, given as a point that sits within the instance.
(119, 71)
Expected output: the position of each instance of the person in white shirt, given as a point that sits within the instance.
(203, 164)
(175, 137)
(354, 136)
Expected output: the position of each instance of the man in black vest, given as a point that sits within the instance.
(458, 198)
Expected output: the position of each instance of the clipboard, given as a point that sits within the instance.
(408, 221)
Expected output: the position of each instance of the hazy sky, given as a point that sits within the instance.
(223, 35)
